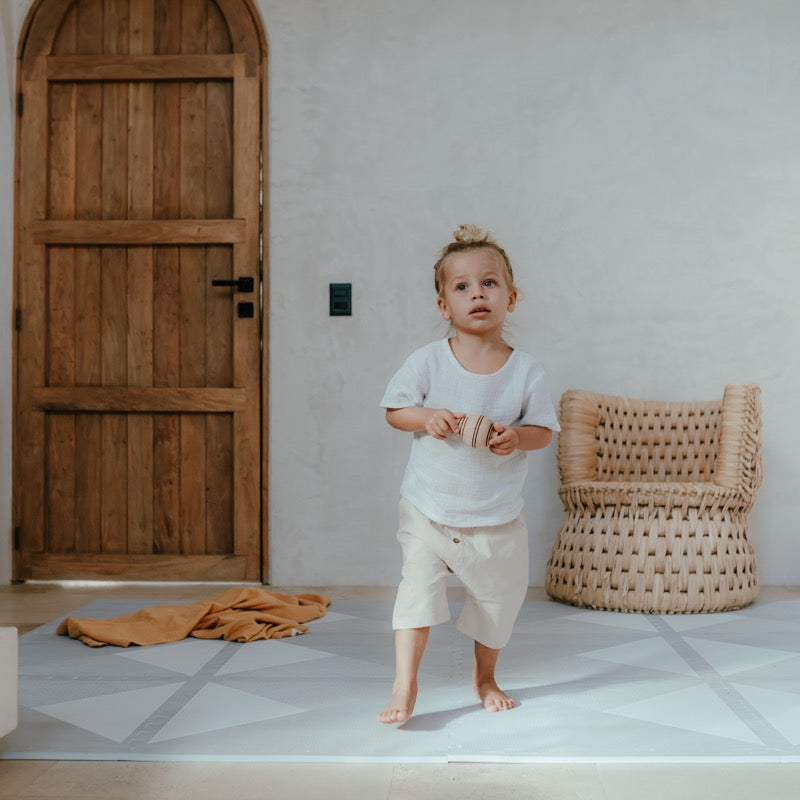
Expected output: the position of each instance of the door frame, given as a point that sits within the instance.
(247, 35)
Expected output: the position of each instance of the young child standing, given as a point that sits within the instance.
(461, 507)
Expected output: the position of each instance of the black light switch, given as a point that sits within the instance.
(341, 299)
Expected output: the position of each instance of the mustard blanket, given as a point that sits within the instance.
(240, 614)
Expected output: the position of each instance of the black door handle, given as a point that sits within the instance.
(241, 284)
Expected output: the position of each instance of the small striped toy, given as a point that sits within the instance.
(476, 430)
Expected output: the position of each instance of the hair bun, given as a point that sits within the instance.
(471, 234)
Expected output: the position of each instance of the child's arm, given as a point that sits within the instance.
(525, 437)
(438, 422)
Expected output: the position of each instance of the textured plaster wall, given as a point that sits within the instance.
(638, 160)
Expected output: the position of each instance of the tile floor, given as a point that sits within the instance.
(30, 605)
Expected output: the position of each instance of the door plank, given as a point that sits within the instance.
(137, 232)
(246, 361)
(219, 330)
(116, 27)
(166, 497)
(193, 277)
(140, 287)
(140, 67)
(65, 40)
(60, 430)
(114, 305)
(30, 461)
(109, 566)
(88, 152)
(60, 311)
(166, 289)
(139, 399)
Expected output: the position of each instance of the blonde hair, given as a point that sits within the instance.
(469, 237)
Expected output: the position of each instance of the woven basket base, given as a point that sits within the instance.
(662, 565)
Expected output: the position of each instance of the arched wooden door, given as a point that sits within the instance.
(138, 387)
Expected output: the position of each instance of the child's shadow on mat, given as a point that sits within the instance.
(436, 720)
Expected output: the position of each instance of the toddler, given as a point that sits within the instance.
(461, 507)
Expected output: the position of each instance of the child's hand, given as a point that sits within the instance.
(505, 441)
(442, 422)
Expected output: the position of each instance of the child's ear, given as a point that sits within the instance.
(443, 308)
(512, 300)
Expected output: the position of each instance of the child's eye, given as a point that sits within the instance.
(488, 282)
(461, 287)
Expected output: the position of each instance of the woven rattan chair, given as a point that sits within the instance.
(656, 498)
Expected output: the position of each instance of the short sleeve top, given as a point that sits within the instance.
(449, 481)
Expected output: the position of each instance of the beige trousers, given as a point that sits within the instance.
(491, 562)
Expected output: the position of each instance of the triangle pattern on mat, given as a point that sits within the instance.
(187, 656)
(652, 653)
(217, 707)
(706, 714)
(634, 622)
(728, 659)
(780, 708)
(114, 716)
(269, 653)
(330, 616)
(778, 610)
(643, 687)
(690, 622)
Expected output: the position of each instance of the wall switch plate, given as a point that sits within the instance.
(341, 299)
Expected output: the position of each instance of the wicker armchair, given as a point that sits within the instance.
(656, 498)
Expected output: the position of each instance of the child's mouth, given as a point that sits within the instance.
(479, 311)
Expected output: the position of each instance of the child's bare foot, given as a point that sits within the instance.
(493, 697)
(400, 706)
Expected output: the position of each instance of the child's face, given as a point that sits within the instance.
(476, 295)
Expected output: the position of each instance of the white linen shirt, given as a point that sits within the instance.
(447, 480)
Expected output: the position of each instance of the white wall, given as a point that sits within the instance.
(639, 161)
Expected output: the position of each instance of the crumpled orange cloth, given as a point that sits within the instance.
(240, 614)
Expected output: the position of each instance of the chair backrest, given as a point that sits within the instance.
(610, 438)
(651, 441)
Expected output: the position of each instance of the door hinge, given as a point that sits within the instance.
(17, 533)
(18, 319)
(20, 103)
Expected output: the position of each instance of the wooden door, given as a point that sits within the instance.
(138, 382)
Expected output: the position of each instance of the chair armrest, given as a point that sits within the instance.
(739, 455)
(577, 448)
